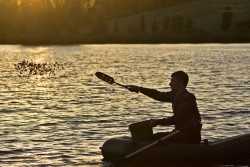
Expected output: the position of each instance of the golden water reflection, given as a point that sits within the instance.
(64, 118)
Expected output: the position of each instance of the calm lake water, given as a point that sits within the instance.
(62, 119)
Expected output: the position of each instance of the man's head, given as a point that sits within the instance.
(179, 80)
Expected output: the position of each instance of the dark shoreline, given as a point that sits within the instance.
(128, 41)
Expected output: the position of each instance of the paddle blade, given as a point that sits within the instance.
(105, 77)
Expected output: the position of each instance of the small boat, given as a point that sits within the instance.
(230, 151)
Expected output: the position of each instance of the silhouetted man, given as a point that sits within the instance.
(186, 113)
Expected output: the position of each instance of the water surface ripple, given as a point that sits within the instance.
(62, 120)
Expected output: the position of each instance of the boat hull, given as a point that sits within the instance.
(231, 151)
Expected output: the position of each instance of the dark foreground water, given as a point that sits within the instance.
(62, 116)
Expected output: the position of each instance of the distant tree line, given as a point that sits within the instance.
(116, 8)
(42, 19)
(243, 27)
(170, 24)
(61, 21)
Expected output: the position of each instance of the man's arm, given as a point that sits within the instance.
(153, 93)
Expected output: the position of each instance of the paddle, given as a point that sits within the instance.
(108, 79)
(148, 146)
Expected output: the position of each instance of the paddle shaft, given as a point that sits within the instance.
(121, 85)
